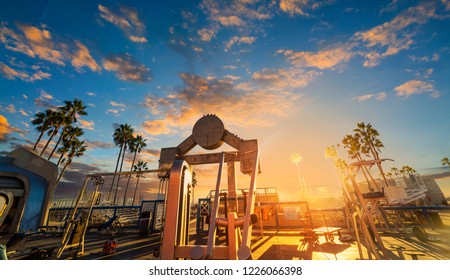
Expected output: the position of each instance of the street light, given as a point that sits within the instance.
(296, 159)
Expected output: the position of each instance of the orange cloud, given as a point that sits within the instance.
(127, 68)
(127, 20)
(5, 128)
(324, 59)
(394, 36)
(38, 42)
(12, 74)
(82, 58)
(243, 105)
(86, 124)
(414, 87)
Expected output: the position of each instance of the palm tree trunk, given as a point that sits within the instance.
(62, 172)
(57, 143)
(49, 140)
(120, 170)
(115, 171)
(135, 189)
(129, 178)
(60, 158)
(38, 140)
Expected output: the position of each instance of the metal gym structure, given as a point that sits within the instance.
(175, 174)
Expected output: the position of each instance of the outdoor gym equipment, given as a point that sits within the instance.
(209, 133)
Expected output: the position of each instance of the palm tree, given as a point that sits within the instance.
(122, 137)
(136, 146)
(42, 122)
(72, 133)
(406, 169)
(77, 149)
(56, 120)
(395, 171)
(139, 167)
(353, 146)
(445, 161)
(71, 110)
(370, 142)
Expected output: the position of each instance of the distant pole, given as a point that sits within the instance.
(296, 159)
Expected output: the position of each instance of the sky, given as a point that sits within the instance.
(297, 75)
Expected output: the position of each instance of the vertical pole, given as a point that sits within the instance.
(215, 212)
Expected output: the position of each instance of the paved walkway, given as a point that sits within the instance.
(268, 245)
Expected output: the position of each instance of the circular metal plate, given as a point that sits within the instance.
(208, 132)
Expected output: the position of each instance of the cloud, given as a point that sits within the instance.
(82, 58)
(239, 40)
(10, 108)
(44, 100)
(23, 113)
(116, 104)
(204, 95)
(38, 42)
(127, 19)
(5, 128)
(414, 87)
(299, 7)
(379, 96)
(98, 145)
(127, 68)
(206, 34)
(11, 74)
(112, 111)
(324, 59)
(290, 78)
(241, 14)
(86, 124)
(396, 35)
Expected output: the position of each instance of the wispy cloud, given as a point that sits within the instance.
(44, 100)
(300, 7)
(98, 144)
(127, 19)
(323, 59)
(23, 113)
(239, 40)
(12, 74)
(82, 57)
(38, 42)
(204, 95)
(10, 108)
(86, 124)
(378, 96)
(414, 87)
(289, 78)
(127, 68)
(396, 35)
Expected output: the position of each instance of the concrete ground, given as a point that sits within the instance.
(267, 245)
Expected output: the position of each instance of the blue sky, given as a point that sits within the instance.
(295, 74)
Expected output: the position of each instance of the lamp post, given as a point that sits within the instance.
(296, 159)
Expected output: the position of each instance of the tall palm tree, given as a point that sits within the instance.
(122, 137)
(72, 133)
(445, 161)
(370, 142)
(42, 123)
(395, 171)
(354, 150)
(77, 149)
(136, 146)
(140, 166)
(56, 119)
(70, 110)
